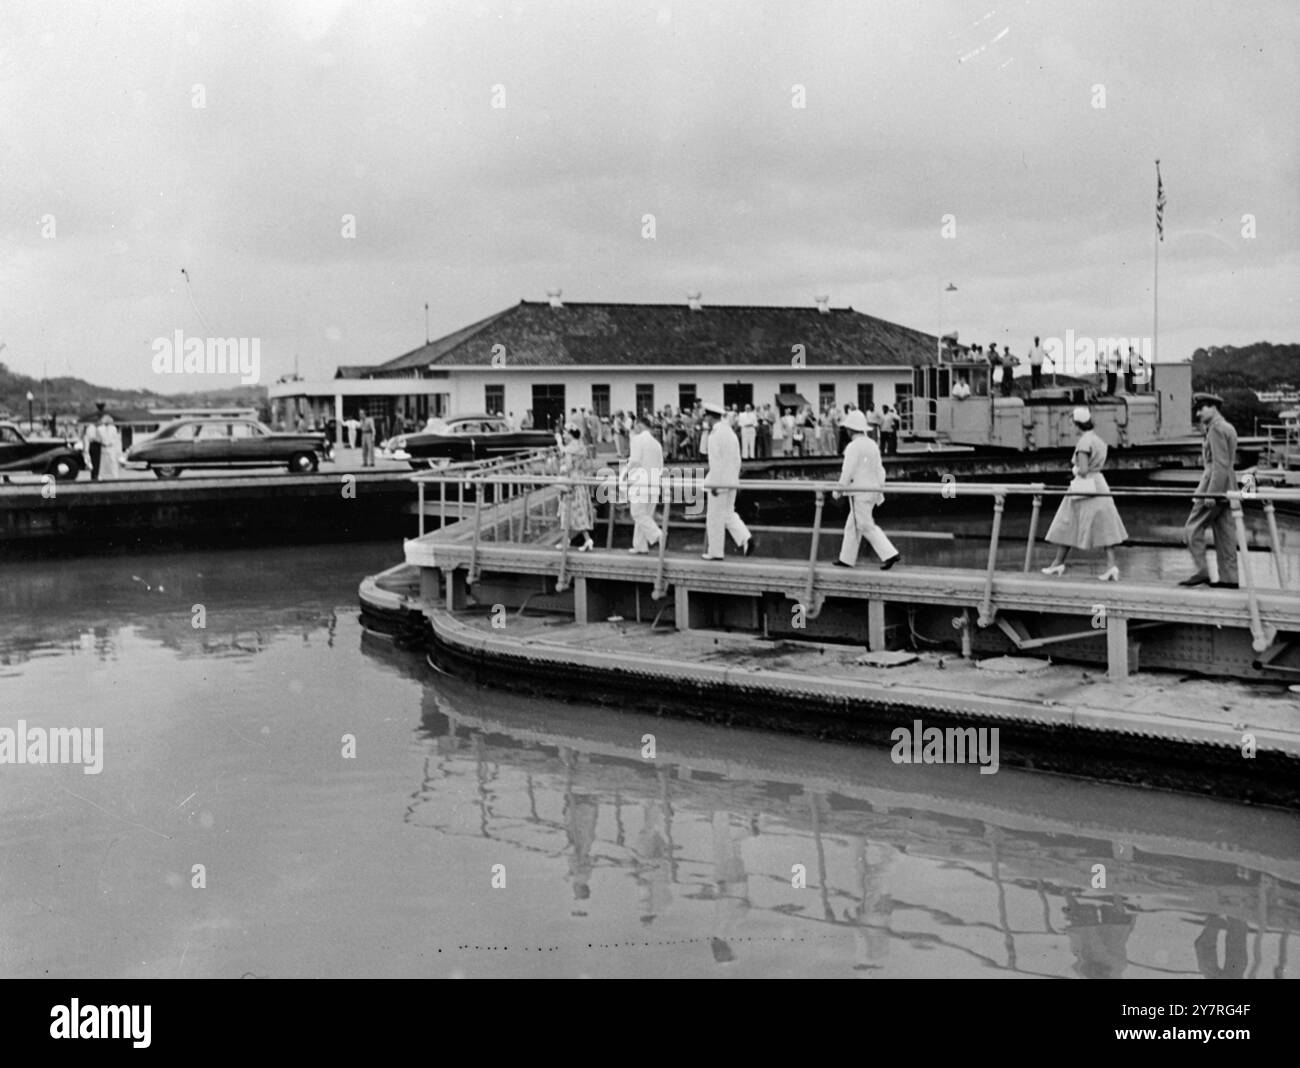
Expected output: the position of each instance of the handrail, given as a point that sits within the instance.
(943, 489)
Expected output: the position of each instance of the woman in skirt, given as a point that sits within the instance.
(1087, 522)
(576, 512)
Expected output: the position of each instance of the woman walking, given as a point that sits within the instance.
(1087, 522)
(576, 513)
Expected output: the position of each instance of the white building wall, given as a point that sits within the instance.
(467, 388)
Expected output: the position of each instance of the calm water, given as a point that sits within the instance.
(223, 748)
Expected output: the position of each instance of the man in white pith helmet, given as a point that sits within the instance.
(863, 467)
(724, 471)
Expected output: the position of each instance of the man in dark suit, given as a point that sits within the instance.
(1218, 453)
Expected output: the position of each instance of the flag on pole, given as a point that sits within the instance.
(1160, 204)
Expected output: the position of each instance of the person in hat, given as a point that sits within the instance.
(724, 472)
(1087, 522)
(110, 456)
(644, 471)
(863, 467)
(1209, 508)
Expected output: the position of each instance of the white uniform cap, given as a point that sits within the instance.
(1081, 415)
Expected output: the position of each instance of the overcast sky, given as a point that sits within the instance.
(314, 111)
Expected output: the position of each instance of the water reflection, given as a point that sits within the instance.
(887, 882)
(730, 853)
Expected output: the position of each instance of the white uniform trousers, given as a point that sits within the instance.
(645, 531)
(860, 524)
(748, 435)
(721, 519)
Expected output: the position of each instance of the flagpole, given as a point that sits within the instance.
(1155, 286)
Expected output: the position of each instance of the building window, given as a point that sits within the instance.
(866, 395)
(600, 401)
(738, 394)
(686, 396)
(786, 387)
(494, 399)
(645, 397)
(826, 396)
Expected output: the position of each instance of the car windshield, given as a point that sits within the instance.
(10, 436)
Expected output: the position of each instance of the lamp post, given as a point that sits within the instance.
(942, 290)
(30, 399)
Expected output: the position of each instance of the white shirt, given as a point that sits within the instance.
(724, 456)
(1036, 356)
(645, 461)
(863, 467)
(747, 419)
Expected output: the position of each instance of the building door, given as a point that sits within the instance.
(548, 407)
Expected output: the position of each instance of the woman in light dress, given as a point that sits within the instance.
(110, 459)
(576, 512)
(1087, 522)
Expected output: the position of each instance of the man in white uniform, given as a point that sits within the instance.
(644, 469)
(724, 470)
(748, 423)
(862, 467)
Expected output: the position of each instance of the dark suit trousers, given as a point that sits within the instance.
(1216, 515)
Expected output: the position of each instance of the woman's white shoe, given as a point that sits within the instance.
(1109, 575)
(1054, 569)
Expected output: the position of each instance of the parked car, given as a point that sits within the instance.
(467, 437)
(62, 459)
(218, 442)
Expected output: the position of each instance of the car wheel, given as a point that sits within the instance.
(64, 470)
(166, 471)
(302, 463)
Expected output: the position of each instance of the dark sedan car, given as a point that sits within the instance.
(467, 437)
(216, 442)
(63, 460)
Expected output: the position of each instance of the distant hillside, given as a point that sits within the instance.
(1259, 366)
(69, 396)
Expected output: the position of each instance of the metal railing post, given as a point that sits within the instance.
(442, 505)
(986, 607)
(810, 609)
(1275, 543)
(1259, 641)
(1033, 529)
(421, 491)
(478, 526)
(660, 586)
(562, 582)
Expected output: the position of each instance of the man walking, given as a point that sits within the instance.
(644, 470)
(862, 467)
(1036, 358)
(1218, 454)
(724, 472)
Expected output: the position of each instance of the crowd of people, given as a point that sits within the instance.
(1086, 519)
(764, 432)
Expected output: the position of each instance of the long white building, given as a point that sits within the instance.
(548, 357)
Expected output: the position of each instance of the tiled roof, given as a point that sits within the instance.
(535, 334)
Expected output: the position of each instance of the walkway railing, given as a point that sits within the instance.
(523, 477)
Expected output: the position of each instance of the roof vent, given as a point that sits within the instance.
(553, 295)
(693, 301)
(823, 304)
